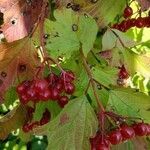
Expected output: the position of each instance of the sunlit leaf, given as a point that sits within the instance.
(68, 31)
(73, 127)
(128, 102)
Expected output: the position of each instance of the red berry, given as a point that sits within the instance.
(123, 74)
(102, 147)
(140, 129)
(34, 125)
(46, 117)
(148, 129)
(140, 23)
(23, 86)
(97, 142)
(59, 86)
(45, 95)
(127, 132)
(69, 88)
(128, 12)
(31, 93)
(67, 76)
(133, 22)
(123, 26)
(24, 99)
(40, 85)
(26, 128)
(55, 94)
(52, 78)
(47, 113)
(30, 110)
(63, 100)
(115, 137)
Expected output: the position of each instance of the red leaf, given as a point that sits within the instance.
(12, 121)
(145, 4)
(20, 17)
(14, 55)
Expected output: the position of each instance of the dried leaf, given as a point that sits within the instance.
(12, 56)
(12, 121)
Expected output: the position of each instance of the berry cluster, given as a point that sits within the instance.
(128, 23)
(125, 132)
(31, 125)
(52, 87)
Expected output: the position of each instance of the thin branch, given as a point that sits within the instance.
(91, 81)
(54, 61)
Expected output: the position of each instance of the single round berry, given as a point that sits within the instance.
(68, 76)
(69, 88)
(40, 85)
(128, 12)
(115, 137)
(140, 23)
(55, 94)
(63, 100)
(127, 132)
(98, 140)
(140, 129)
(59, 86)
(31, 93)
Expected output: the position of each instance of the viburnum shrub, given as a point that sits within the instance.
(76, 72)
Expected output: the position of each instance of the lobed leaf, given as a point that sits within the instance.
(68, 31)
(73, 127)
(128, 102)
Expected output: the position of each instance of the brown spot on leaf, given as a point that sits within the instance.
(64, 119)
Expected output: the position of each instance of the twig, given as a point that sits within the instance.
(91, 81)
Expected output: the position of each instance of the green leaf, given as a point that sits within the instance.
(41, 106)
(114, 38)
(104, 10)
(73, 127)
(109, 40)
(103, 96)
(81, 83)
(137, 63)
(68, 31)
(123, 40)
(106, 76)
(10, 96)
(128, 102)
(63, 40)
(124, 146)
(87, 33)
